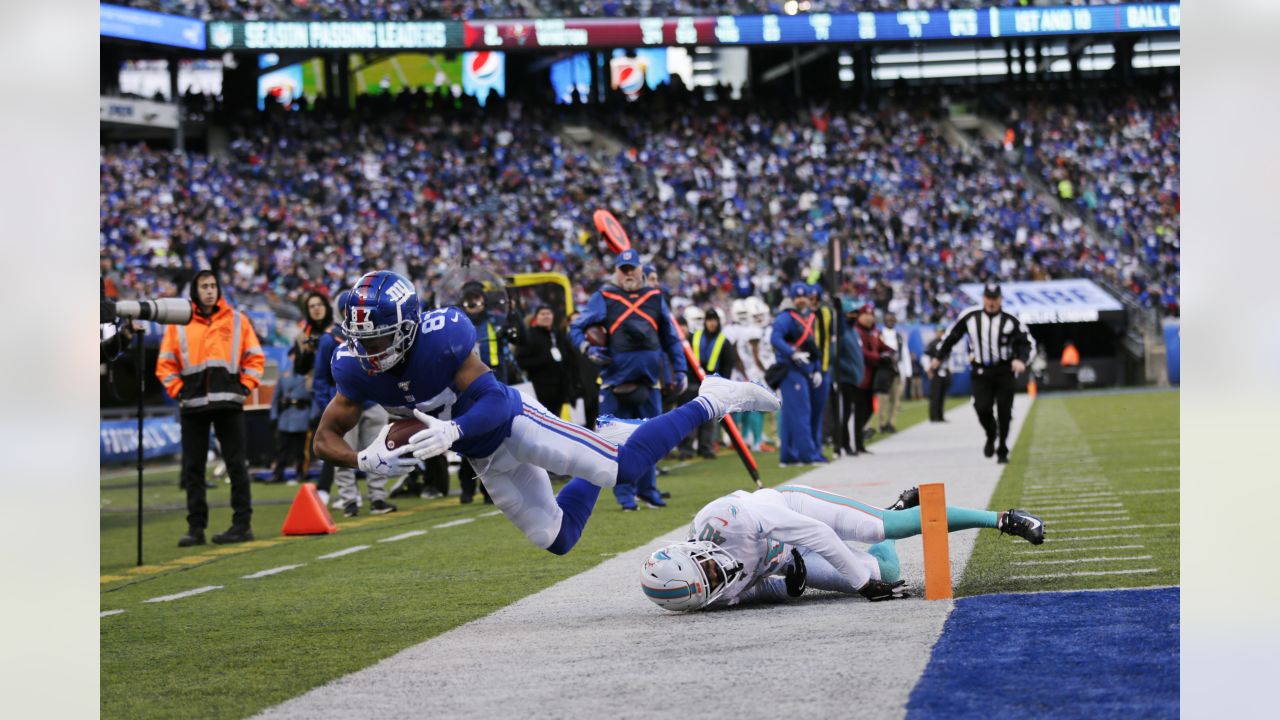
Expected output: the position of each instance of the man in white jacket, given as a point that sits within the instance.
(771, 544)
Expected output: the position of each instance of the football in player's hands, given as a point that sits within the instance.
(596, 336)
(402, 430)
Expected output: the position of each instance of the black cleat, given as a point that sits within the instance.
(990, 448)
(381, 507)
(878, 590)
(350, 510)
(1024, 525)
(906, 500)
(233, 535)
(1002, 458)
(193, 537)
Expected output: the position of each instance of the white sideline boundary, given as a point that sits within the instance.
(592, 646)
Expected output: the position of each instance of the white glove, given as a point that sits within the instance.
(378, 460)
(436, 439)
(800, 357)
(816, 379)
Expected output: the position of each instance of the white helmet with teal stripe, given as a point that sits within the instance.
(688, 575)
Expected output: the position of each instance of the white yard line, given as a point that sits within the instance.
(272, 571)
(1081, 560)
(1082, 573)
(1092, 513)
(185, 594)
(346, 551)
(108, 613)
(1092, 538)
(453, 523)
(403, 536)
(1114, 527)
(1076, 506)
(491, 513)
(1080, 548)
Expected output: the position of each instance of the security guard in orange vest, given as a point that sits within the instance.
(716, 356)
(210, 367)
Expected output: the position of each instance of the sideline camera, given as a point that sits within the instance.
(167, 311)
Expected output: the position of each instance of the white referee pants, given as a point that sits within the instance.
(516, 473)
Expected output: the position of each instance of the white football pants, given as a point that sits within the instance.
(516, 473)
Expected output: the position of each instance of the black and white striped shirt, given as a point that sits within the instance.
(994, 340)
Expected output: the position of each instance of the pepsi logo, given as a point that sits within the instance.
(485, 66)
(631, 79)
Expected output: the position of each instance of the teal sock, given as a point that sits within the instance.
(886, 555)
(899, 524)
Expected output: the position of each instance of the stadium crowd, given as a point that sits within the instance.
(724, 196)
(478, 9)
(1117, 159)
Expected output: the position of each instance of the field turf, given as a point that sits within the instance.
(1102, 472)
(251, 643)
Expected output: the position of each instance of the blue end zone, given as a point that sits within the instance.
(1061, 654)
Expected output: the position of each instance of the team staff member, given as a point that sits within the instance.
(631, 364)
(546, 359)
(824, 333)
(999, 349)
(717, 356)
(209, 367)
(494, 338)
(940, 382)
(873, 348)
(794, 343)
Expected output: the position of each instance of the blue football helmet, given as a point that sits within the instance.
(380, 319)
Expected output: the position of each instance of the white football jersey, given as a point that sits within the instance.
(759, 530)
(741, 336)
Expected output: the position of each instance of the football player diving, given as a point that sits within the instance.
(772, 544)
(424, 365)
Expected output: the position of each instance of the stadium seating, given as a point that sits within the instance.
(313, 198)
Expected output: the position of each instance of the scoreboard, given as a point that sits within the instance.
(724, 30)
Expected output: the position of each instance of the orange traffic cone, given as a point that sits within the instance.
(307, 515)
(1031, 389)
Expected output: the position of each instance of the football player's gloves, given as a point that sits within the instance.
(796, 575)
(435, 439)
(877, 590)
(378, 460)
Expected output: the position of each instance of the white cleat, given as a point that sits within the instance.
(732, 396)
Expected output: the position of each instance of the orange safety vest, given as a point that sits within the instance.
(204, 364)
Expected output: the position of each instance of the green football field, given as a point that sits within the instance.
(1102, 472)
(276, 617)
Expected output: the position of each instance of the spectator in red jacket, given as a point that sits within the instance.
(872, 348)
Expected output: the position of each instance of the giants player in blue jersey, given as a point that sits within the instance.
(424, 365)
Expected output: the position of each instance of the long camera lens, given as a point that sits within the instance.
(168, 311)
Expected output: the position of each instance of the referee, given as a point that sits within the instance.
(999, 349)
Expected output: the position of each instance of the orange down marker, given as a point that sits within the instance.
(937, 553)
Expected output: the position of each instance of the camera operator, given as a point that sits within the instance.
(209, 367)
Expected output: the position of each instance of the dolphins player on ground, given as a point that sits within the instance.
(769, 545)
(425, 365)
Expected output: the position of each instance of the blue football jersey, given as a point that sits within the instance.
(424, 379)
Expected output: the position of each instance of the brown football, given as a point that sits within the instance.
(402, 430)
(597, 335)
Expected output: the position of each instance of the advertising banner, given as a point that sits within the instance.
(1051, 301)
